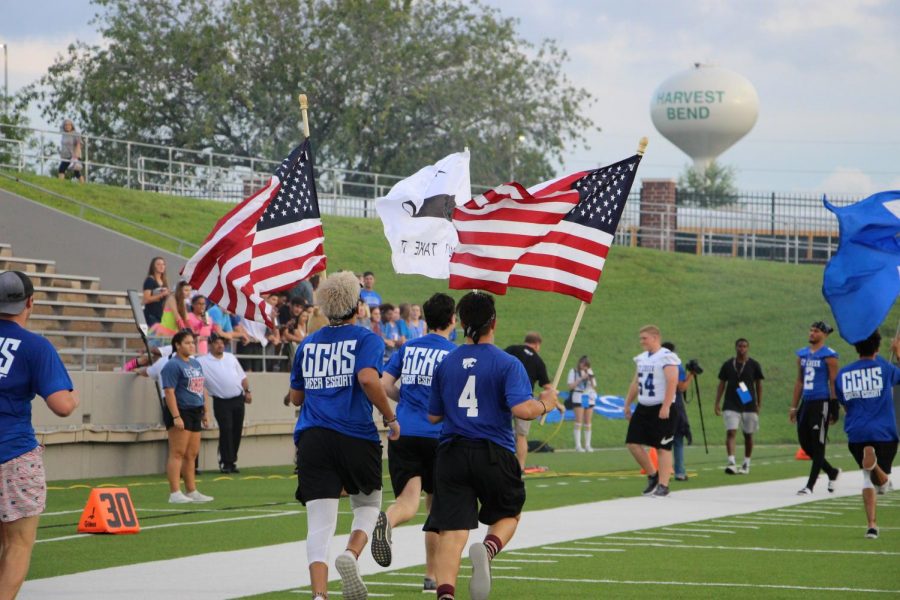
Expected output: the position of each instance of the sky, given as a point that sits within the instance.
(827, 73)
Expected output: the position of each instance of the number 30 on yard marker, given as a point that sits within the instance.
(109, 510)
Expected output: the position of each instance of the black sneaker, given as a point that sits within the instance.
(381, 541)
(872, 533)
(652, 482)
(661, 491)
(429, 585)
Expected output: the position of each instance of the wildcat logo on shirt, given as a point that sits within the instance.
(328, 365)
(468, 363)
(419, 364)
(7, 347)
(862, 383)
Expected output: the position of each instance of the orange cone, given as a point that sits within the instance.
(654, 460)
(801, 455)
(109, 510)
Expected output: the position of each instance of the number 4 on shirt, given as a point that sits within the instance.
(467, 398)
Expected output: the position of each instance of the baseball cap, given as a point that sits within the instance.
(823, 327)
(15, 289)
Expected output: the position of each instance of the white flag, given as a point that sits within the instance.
(417, 214)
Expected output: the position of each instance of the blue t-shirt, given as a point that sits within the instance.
(815, 372)
(474, 389)
(390, 331)
(29, 365)
(186, 378)
(415, 331)
(325, 369)
(865, 388)
(371, 297)
(414, 365)
(218, 317)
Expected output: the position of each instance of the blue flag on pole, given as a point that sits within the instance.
(862, 279)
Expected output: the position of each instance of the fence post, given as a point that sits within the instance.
(128, 154)
(87, 160)
(773, 214)
(41, 150)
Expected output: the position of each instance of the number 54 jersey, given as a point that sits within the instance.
(651, 377)
(474, 390)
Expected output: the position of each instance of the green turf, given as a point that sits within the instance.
(701, 303)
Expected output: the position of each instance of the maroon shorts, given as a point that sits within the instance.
(23, 487)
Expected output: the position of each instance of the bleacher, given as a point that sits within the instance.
(93, 329)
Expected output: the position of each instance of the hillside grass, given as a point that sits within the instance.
(701, 303)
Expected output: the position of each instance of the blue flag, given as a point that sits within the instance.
(862, 279)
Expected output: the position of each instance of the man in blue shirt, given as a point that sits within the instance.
(368, 292)
(475, 392)
(411, 458)
(817, 367)
(865, 388)
(29, 366)
(336, 378)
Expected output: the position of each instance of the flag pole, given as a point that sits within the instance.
(304, 105)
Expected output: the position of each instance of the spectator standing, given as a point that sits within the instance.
(174, 317)
(682, 424)
(184, 415)
(654, 385)
(375, 320)
(336, 379)
(29, 366)
(814, 405)
(411, 457)
(222, 324)
(70, 145)
(368, 292)
(295, 328)
(390, 331)
(865, 388)
(583, 389)
(740, 379)
(156, 290)
(363, 316)
(227, 383)
(475, 391)
(536, 370)
(303, 291)
(200, 323)
(415, 326)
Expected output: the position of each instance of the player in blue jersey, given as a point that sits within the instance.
(29, 366)
(336, 378)
(411, 458)
(865, 389)
(475, 392)
(814, 406)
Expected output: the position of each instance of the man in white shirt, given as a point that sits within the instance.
(226, 382)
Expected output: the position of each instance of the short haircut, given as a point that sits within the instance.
(367, 273)
(438, 311)
(338, 295)
(668, 346)
(739, 340)
(651, 329)
(477, 313)
(870, 345)
(179, 337)
(533, 337)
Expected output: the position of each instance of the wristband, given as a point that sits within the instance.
(389, 421)
(176, 417)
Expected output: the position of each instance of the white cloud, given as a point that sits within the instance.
(30, 57)
(847, 182)
(813, 15)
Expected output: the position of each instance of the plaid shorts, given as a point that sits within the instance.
(23, 488)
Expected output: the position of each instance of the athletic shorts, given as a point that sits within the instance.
(884, 452)
(192, 417)
(23, 486)
(469, 473)
(522, 426)
(748, 421)
(584, 400)
(412, 456)
(647, 429)
(328, 462)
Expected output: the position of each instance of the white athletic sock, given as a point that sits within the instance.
(578, 435)
(731, 459)
(587, 436)
(746, 461)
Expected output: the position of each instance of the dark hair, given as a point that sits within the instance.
(384, 308)
(668, 346)
(367, 273)
(477, 313)
(438, 311)
(823, 327)
(150, 272)
(533, 337)
(179, 337)
(739, 340)
(870, 345)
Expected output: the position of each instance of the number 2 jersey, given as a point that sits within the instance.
(651, 376)
(474, 389)
(815, 372)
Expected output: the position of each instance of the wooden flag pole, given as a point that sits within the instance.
(304, 105)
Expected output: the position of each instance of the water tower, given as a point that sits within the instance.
(704, 111)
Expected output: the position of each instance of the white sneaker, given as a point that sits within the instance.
(348, 568)
(832, 483)
(884, 489)
(588, 449)
(731, 469)
(480, 584)
(196, 496)
(744, 470)
(579, 449)
(805, 492)
(179, 498)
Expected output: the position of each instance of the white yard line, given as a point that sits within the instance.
(236, 573)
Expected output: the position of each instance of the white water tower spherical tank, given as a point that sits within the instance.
(704, 111)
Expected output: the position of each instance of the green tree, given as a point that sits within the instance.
(12, 132)
(710, 188)
(393, 84)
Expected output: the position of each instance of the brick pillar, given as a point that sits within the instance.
(658, 215)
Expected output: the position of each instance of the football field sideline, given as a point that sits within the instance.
(233, 574)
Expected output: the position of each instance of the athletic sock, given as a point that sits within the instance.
(493, 544)
(587, 436)
(731, 459)
(746, 461)
(446, 591)
(577, 435)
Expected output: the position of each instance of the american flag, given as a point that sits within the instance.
(553, 237)
(267, 243)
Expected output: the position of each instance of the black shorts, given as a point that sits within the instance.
(472, 472)
(884, 452)
(647, 429)
(412, 456)
(191, 417)
(328, 462)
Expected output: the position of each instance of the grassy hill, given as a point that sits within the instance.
(701, 303)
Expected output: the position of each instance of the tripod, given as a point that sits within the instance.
(700, 408)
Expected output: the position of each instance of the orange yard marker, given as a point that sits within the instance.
(109, 510)
(801, 455)
(654, 460)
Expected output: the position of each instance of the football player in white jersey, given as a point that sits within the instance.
(654, 386)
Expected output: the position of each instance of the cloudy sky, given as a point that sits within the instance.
(827, 73)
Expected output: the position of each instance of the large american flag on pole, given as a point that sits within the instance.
(267, 243)
(553, 237)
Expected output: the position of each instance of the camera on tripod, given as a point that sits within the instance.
(694, 367)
